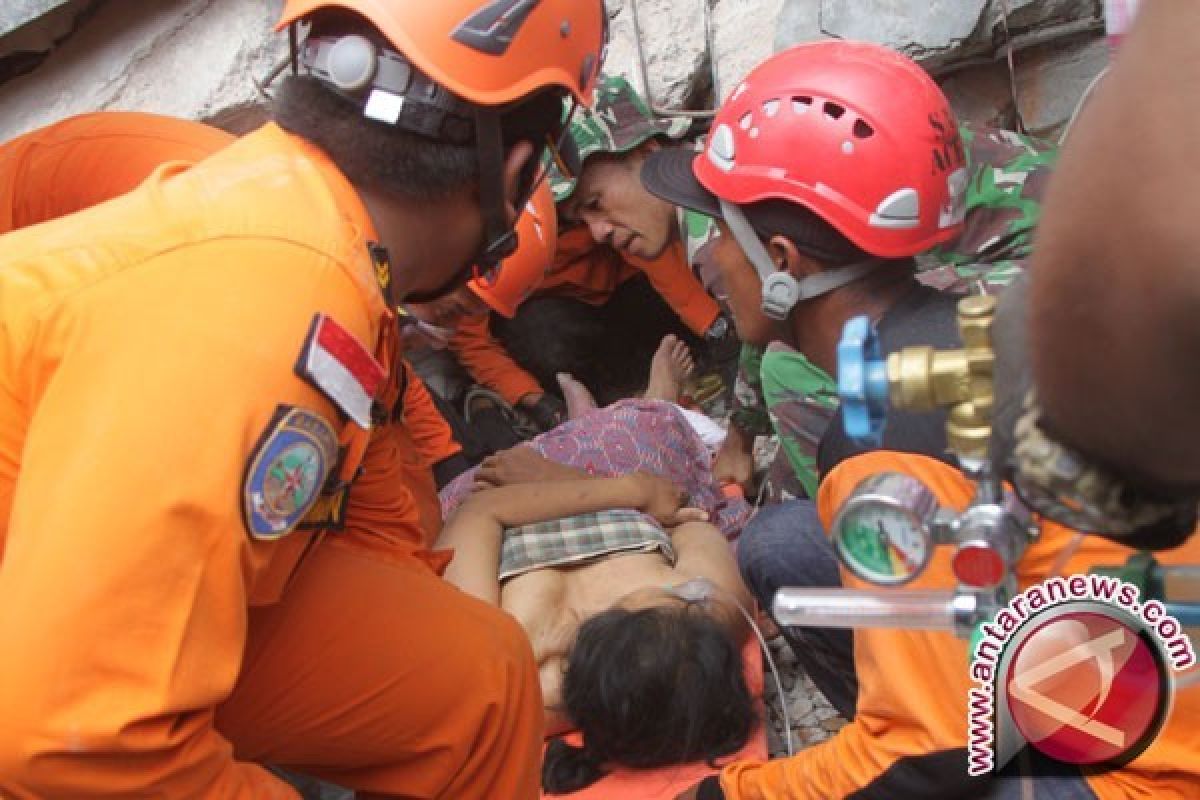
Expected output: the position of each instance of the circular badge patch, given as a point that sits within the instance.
(287, 471)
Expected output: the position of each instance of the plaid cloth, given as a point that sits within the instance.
(581, 538)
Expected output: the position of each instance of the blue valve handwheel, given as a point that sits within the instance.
(862, 382)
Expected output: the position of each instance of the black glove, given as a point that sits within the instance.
(548, 412)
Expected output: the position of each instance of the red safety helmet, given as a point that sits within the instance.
(522, 272)
(855, 132)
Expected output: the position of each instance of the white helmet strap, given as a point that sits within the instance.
(780, 289)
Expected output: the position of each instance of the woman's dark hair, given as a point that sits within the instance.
(374, 154)
(648, 688)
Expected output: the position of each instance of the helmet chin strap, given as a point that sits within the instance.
(499, 234)
(781, 292)
(499, 237)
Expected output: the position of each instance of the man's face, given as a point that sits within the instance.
(433, 244)
(744, 289)
(610, 199)
(430, 244)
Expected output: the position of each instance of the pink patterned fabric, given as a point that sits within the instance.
(628, 436)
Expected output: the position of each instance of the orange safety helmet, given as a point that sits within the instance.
(488, 52)
(522, 272)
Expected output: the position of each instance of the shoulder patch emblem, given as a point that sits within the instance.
(286, 471)
(336, 363)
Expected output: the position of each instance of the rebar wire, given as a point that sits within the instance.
(1012, 70)
(265, 84)
(663, 111)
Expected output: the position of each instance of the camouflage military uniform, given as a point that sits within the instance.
(620, 121)
(781, 389)
(1009, 173)
(617, 122)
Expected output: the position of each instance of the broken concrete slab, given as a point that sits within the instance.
(189, 58)
(16, 14)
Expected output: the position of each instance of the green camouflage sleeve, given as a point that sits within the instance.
(802, 399)
(1008, 177)
(617, 121)
(749, 413)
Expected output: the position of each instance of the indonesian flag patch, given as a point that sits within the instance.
(343, 370)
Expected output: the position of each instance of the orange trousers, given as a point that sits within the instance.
(335, 683)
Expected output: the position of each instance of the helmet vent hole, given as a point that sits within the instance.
(746, 121)
(862, 130)
(801, 104)
(833, 110)
(771, 108)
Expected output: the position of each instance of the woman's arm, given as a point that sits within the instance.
(476, 529)
(522, 464)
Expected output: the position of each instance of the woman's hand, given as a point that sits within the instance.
(521, 464)
(665, 501)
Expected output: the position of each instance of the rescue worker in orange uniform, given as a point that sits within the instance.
(581, 270)
(187, 369)
(596, 259)
(87, 159)
(462, 315)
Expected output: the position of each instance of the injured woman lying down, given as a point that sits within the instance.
(607, 538)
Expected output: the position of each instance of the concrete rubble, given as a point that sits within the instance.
(812, 718)
(198, 58)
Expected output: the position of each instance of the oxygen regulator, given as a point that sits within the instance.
(886, 532)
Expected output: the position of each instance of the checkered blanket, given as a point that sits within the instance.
(630, 436)
(581, 538)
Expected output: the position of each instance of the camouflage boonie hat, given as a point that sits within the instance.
(618, 121)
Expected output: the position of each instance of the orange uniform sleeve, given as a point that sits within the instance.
(85, 160)
(671, 276)
(138, 401)
(425, 424)
(489, 364)
(908, 737)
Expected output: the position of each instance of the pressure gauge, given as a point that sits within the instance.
(882, 533)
